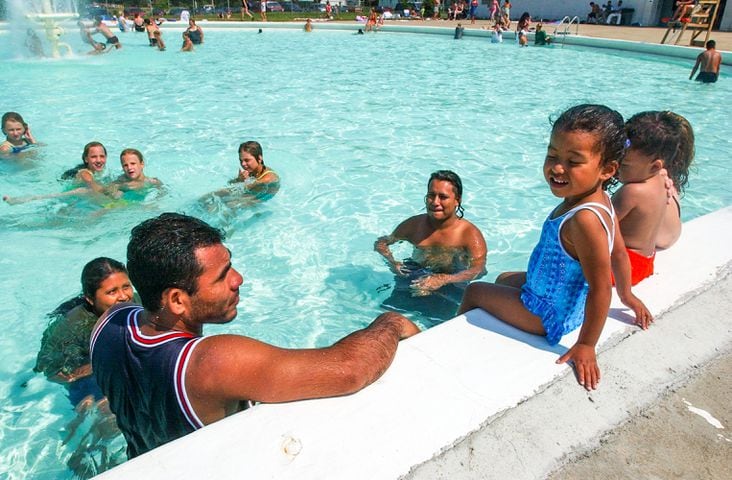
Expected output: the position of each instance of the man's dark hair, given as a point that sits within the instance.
(711, 44)
(162, 254)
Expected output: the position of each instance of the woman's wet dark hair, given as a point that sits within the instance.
(92, 276)
(664, 135)
(604, 123)
(162, 254)
(457, 186)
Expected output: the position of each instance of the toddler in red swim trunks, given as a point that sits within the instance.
(660, 146)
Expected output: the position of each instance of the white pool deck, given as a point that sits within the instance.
(450, 385)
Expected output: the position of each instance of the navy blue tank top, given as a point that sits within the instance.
(144, 379)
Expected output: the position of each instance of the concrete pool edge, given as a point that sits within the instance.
(452, 403)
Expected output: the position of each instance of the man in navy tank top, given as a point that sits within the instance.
(164, 379)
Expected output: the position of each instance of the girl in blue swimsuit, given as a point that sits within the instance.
(18, 136)
(568, 279)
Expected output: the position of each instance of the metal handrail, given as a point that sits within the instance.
(568, 24)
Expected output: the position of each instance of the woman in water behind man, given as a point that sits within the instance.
(449, 251)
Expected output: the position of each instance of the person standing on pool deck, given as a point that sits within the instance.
(709, 60)
(263, 10)
(164, 379)
(245, 9)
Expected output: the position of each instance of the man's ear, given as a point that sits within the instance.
(176, 301)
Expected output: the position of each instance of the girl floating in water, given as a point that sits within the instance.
(17, 133)
(567, 284)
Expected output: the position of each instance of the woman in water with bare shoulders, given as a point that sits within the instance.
(449, 251)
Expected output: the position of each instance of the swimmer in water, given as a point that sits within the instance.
(85, 176)
(17, 133)
(254, 174)
(255, 183)
(448, 250)
(133, 177)
(187, 44)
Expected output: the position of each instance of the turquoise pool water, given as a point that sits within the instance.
(353, 124)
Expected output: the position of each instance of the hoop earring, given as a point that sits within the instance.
(460, 211)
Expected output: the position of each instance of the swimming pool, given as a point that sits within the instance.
(353, 124)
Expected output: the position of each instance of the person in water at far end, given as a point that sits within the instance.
(709, 61)
(447, 248)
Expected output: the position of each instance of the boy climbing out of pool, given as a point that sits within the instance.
(18, 136)
(658, 142)
(567, 284)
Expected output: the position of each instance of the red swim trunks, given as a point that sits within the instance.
(640, 267)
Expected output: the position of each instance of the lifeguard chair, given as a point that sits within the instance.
(700, 19)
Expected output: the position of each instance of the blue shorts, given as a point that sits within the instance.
(473, 8)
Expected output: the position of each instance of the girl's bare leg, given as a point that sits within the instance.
(503, 302)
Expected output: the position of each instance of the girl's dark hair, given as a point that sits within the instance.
(457, 186)
(92, 276)
(664, 135)
(604, 123)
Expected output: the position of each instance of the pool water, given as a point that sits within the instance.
(353, 124)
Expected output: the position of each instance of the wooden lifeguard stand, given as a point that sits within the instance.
(700, 19)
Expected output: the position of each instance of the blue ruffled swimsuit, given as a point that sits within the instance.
(555, 288)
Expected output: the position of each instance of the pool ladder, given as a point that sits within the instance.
(567, 22)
